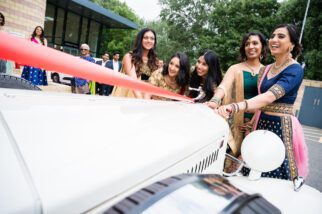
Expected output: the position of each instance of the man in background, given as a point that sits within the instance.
(115, 65)
(81, 85)
(100, 87)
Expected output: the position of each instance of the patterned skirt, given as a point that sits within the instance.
(282, 127)
(35, 75)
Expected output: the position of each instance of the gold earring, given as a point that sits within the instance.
(290, 52)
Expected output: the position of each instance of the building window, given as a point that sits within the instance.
(49, 23)
(59, 26)
(72, 28)
(84, 30)
(93, 36)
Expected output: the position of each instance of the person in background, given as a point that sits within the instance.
(174, 77)
(115, 65)
(239, 83)
(3, 63)
(35, 75)
(160, 65)
(81, 85)
(101, 87)
(140, 62)
(206, 77)
(278, 85)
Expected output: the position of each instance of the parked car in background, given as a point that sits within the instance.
(65, 78)
(61, 78)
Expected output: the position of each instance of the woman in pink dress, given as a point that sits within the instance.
(35, 75)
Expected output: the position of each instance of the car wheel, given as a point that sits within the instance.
(8, 81)
(55, 78)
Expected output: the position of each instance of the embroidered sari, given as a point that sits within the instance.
(239, 84)
(157, 79)
(284, 86)
(125, 92)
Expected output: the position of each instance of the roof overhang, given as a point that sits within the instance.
(95, 12)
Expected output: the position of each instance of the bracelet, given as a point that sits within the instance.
(246, 105)
(237, 107)
(233, 109)
(216, 100)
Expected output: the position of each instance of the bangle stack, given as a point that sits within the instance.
(216, 100)
(235, 107)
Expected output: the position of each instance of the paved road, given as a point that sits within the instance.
(313, 138)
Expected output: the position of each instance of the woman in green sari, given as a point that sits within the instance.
(240, 83)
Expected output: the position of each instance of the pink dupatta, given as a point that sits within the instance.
(299, 146)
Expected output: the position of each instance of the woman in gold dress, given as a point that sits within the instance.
(140, 62)
(174, 77)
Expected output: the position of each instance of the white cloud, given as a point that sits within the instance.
(146, 9)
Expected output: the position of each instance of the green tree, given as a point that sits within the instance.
(217, 24)
(233, 19)
(312, 36)
(120, 40)
(166, 47)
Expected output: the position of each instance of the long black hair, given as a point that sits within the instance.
(212, 79)
(3, 19)
(42, 35)
(137, 51)
(184, 71)
(242, 54)
(294, 37)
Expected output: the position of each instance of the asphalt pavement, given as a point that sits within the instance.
(313, 138)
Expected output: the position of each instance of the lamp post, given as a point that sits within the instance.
(304, 20)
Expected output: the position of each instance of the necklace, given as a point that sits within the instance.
(171, 83)
(253, 70)
(278, 68)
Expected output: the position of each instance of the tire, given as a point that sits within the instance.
(55, 78)
(8, 81)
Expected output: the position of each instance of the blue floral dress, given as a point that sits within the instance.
(35, 75)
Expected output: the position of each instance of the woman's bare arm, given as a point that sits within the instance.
(129, 69)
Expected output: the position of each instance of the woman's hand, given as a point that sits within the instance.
(246, 128)
(225, 111)
(212, 105)
(242, 128)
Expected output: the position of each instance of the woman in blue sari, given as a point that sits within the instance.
(278, 85)
(35, 75)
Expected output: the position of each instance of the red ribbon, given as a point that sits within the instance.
(28, 53)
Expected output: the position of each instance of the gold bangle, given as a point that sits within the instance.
(237, 107)
(246, 105)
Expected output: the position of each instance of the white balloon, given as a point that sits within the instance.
(263, 150)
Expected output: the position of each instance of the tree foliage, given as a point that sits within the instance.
(166, 47)
(120, 40)
(312, 33)
(217, 24)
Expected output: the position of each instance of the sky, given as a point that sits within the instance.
(146, 9)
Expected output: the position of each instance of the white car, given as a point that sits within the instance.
(61, 78)
(109, 148)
